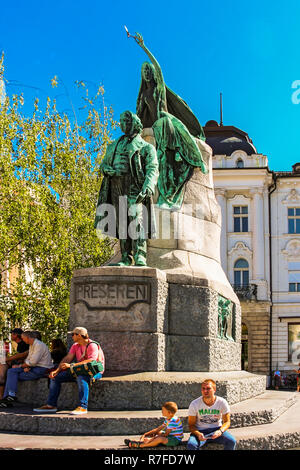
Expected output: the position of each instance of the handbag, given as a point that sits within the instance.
(90, 368)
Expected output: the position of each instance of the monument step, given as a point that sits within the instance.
(281, 434)
(147, 390)
(257, 411)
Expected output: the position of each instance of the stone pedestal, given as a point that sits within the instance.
(146, 323)
(126, 310)
(180, 314)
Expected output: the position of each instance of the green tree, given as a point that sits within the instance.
(49, 182)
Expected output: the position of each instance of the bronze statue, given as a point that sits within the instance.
(130, 170)
(175, 128)
(224, 314)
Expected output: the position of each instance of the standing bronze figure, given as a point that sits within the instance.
(175, 128)
(130, 172)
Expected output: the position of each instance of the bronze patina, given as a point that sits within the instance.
(175, 129)
(130, 172)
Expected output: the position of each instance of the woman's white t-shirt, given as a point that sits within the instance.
(208, 416)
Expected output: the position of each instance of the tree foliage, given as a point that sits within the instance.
(49, 182)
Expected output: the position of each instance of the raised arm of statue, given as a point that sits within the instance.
(139, 39)
(152, 98)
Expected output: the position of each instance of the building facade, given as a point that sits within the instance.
(285, 263)
(259, 239)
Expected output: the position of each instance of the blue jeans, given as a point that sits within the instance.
(83, 382)
(17, 373)
(227, 440)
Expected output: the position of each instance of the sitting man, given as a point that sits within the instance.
(18, 358)
(36, 365)
(84, 350)
(209, 418)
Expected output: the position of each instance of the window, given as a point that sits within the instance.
(294, 286)
(294, 341)
(241, 273)
(294, 220)
(294, 276)
(240, 218)
(239, 163)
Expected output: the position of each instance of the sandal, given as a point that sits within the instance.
(134, 445)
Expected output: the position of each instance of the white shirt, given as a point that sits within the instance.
(39, 355)
(208, 416)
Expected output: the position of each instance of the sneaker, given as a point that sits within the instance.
(8, 402)
(45, 409)
(79, 411)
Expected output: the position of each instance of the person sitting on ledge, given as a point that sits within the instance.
(84, 350)
(18, 358)
(209, 418)
(58, 351)
(170, 433)
(36, 365)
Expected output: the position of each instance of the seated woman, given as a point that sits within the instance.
(58, 351)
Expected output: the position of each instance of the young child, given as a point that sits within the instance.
(170, 433)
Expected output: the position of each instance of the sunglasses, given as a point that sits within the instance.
(73, 334)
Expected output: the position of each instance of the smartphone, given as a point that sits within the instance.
(209, 435)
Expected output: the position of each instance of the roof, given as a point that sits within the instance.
(224, 140)
(289, 174)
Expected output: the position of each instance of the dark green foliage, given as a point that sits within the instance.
(49, 183)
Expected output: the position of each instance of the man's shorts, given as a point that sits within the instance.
(172, 441)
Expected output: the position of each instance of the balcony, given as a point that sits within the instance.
(246, 292)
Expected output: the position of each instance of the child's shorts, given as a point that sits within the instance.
(173, 441)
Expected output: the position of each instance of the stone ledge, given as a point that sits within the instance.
(147, 390)
(283, 433)
(126, 271)
(260, 411)
(283, 441)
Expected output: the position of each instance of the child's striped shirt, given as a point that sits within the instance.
(175, 424)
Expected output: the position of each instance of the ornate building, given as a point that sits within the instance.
(285, 263)
(260, 247)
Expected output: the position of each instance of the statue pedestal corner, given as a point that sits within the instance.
(145, 322)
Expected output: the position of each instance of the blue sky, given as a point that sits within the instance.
(249, 51)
